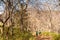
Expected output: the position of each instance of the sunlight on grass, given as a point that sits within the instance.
(1, 23)
(18, 35)
(54, 36)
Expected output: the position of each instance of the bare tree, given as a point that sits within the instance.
(10, 6)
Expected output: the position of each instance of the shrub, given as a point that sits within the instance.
(57, 37)
(18, 35)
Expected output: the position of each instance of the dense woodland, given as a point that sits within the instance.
(30, 20)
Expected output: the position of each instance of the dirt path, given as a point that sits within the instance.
(43, 37)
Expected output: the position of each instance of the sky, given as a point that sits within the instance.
(1, 7)
(51, 3)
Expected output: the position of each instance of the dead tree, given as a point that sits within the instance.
(9, 10)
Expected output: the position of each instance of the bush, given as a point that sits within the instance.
(57, 37)
(18, 35)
